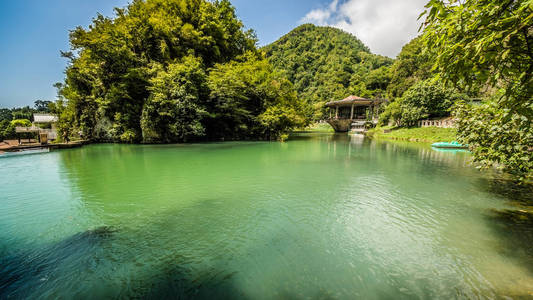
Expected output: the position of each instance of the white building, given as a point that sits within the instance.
(40, 125)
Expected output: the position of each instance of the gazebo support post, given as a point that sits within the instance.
(342, 123)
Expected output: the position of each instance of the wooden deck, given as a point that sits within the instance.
(6, 147)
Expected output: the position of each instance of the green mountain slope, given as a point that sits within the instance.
(327, 64)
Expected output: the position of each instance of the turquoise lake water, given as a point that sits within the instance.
(321, 216)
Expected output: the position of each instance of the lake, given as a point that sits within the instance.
(320, 216)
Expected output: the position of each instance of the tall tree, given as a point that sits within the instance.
(42, 106)
(6, 114)
(141, 76)
(412, 65)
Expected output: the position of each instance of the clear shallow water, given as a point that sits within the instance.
(321, 216)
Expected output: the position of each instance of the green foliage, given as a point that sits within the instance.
(21, 123)
(66, 124)
(26, 112)
(174, 110)
(42, 106)
(327, 64)
(6, 114)
(412, 65)
(250, 99)
(391, 114)
(143, 76)
(8, 123)
(497, 137)
(488, 43)
(22, 113)
(425, 99)
(7, 131)
(424, 135)
(317, 127)
(484, 42)
(8, 128)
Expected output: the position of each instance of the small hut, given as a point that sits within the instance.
(353, 110)
(44, 125)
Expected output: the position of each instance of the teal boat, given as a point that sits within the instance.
(452, 145)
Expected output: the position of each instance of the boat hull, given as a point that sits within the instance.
(453, 145)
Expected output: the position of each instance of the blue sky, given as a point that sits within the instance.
(32, 32)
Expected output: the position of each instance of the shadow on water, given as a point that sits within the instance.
(520, 194)
(514, 226)
(23, 272)
(43, 272)
(516, 230)
(172, 281)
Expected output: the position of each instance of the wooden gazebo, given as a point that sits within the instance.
(352, 109)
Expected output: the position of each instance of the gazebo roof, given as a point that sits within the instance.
(354, 100)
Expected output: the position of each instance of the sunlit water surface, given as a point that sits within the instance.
(321, 216)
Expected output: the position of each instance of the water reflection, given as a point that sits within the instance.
(321, 216)
(514, 225)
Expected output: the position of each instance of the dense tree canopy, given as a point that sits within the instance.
(251, 98)
(7, 128)
(145, 74)
(42, 106)
(25, 112)
(497, 136)
(489, 43)
(412, 65)
(327, 64)
(425, 99)
(484, 42)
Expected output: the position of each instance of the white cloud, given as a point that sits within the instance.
(383, 25)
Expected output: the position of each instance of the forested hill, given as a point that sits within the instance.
(326, 63)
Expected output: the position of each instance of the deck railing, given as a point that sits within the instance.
(52, 133)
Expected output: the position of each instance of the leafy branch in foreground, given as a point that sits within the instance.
(484, 42)
(488, 44)
(497, 136)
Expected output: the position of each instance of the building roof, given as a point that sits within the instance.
(44, 118)
(354, 100)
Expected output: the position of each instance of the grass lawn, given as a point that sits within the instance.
(425, 135)
(316, 127)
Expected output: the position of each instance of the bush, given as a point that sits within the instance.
(5, 129)
(425, 99)
(21, 123)
(497, 136)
